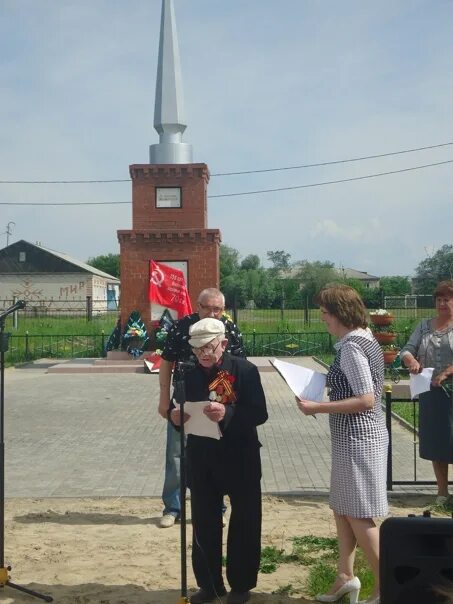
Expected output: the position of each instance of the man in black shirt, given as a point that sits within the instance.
(211, 303)
(230, 391)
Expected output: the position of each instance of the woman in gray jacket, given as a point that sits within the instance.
(431, 345)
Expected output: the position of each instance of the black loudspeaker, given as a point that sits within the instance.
(416, 558)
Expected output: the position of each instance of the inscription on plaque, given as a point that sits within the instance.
(168, 197)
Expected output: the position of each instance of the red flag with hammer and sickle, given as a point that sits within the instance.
(167, 287)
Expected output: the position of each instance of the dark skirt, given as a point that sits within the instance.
(436, 425)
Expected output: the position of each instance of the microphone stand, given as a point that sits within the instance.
(4, 576)
(180, 398)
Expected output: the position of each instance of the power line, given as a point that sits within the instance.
(331, 163)
(334, 182)
(315, 184)
(302, 166)
(61, 182)
(65, 203)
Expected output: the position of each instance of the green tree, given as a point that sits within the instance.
(294, 296)
(229, 263)
(259, 287)
(313, 276)
(372, 297)
(280, 260)
(108, 263)
(234, 289)
(395, 286)
(433, 269)
(250, 262)
(356, 284)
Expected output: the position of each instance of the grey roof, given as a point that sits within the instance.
(9, 262)
(352, 273)
(345, 273)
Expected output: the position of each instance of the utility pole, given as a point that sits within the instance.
(9, 231)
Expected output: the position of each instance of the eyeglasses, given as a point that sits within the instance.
(205, 350)
(214, 309)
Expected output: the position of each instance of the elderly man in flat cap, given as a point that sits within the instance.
(211, 303)
(229, 388)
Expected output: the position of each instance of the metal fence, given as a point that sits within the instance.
(287, 344)
(261, 319)
(81, 307)
(31, 347)
(295, 319)
(413, 427)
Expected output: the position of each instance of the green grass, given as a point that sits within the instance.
(292, 320)
(327, 358)
(286, 590)
(271, 558)
(444, 510)
(58, 337)
(309, 550)
(320, 555)
(260, 321)
(287, 344)
(62, 325)
(323, 573)
(266, 333)
(407, 412)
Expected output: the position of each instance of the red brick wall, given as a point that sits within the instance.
(199, 248)
(167, 234)
(193, 180)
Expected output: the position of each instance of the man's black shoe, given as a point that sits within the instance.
(204, 595)
(238, 597)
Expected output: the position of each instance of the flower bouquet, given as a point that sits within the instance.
(390, 353)
(135, 337)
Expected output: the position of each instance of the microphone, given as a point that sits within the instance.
(20, 304)
(186, 365)
(17, 306)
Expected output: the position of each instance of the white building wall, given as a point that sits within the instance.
(56, 291)
(48, 286)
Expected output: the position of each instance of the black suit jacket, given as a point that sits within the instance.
(249, 410)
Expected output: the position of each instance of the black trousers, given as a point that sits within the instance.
(216, 468)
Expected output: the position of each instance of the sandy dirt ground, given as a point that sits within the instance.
(112, 551)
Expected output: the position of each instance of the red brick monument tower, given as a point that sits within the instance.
(169, 197)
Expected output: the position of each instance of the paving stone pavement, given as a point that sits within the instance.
(85, 435)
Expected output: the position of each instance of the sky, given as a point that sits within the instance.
(267, 85)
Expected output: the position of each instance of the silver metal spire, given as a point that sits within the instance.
(169, 119)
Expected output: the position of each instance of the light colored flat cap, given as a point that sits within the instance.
(204, 331)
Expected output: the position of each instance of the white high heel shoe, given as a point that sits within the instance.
(375, 600)
(351, 587)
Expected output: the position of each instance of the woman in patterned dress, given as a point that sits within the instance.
(431, 345)
(359, 437)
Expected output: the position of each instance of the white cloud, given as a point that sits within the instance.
(331, 229)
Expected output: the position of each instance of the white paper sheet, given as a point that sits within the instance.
(421, 382)
(304, 382)
(199, 423)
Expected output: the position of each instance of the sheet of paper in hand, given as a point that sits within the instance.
(305, 383)
(420, 382)
(199, 424)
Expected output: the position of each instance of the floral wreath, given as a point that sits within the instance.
(221, 388)
(135, 338)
